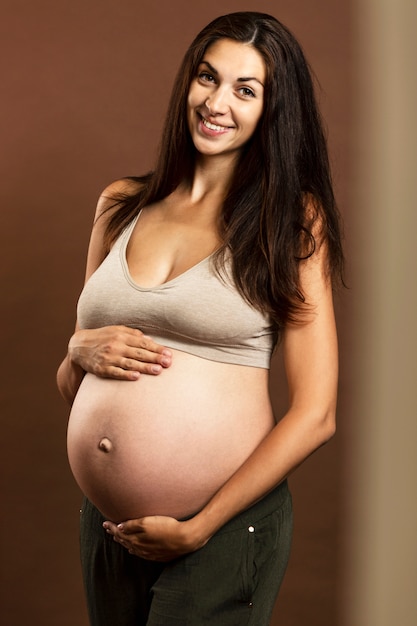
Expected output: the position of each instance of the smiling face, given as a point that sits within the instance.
(226, 97)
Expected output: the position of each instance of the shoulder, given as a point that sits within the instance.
(115, 193)
(108, 203)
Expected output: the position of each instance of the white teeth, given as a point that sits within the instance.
(213, 126)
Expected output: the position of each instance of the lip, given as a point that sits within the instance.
(212, 132)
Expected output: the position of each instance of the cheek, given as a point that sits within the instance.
(258, 115)
(253, 120)
(195, 95)
(190, 107)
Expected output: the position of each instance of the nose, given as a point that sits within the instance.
(217, 102)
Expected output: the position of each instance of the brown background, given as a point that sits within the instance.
(84, 88)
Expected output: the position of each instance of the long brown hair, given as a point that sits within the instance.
(281, 187)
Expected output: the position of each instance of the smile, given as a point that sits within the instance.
(215, 127)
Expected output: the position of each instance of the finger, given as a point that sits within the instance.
(131, 526)
(120, 541)
(128, 369)
(147, 343)
(110, 527)
(152, 346)
(131, 343)
(118, 373)
(134, 338)
(139, 361)
(144, 355)
(134, 364)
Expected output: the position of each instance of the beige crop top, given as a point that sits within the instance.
(197, 312)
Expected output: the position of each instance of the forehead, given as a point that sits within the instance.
(235, 59)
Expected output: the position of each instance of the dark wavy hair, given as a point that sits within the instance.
(281, 191)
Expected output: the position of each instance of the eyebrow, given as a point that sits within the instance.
(243, 79)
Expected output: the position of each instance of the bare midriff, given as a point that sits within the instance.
(163, 445)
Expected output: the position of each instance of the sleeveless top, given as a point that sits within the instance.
(198, 312)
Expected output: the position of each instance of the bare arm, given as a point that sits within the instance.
(311, 363)
(310, 352)
(113, 351)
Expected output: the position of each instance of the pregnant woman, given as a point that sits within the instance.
(195, 272)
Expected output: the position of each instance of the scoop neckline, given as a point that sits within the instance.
(164, 285)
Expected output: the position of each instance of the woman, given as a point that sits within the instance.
(194, 273)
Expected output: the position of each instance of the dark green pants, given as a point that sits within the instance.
(232, 581)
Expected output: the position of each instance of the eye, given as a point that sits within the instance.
(246, 92)
(206, 77)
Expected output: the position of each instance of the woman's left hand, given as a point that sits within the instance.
(155, 538)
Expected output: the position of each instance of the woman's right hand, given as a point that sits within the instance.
(117, 352)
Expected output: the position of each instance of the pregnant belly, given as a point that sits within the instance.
(165, 444)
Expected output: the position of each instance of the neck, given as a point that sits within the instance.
(212, 176)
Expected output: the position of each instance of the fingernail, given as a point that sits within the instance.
(120, 526)
(156, 369)
(166, 352)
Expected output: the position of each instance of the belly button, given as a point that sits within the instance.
(105, 445)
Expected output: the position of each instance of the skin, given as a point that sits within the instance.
(310, 348)
(113, 351)
(225, 100)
